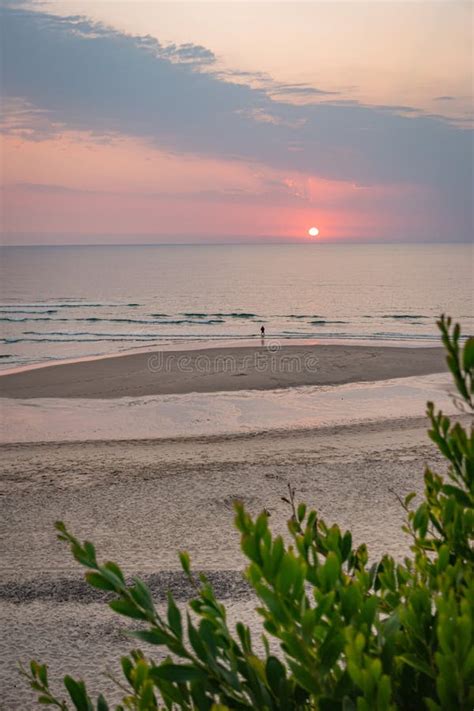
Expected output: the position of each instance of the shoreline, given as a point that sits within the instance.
(196, 343)
(271, 366)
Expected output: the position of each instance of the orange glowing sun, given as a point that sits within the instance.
(313, 232)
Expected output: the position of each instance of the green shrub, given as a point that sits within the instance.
(395, 635)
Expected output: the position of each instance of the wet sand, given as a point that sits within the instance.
(141, 501)
(265, 367)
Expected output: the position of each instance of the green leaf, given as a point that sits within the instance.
(89, 550)
(277, 554)
(179, 673)
(147, 700)
(174, 617)
(391, 625)
(301, 512)
(346, 545)
(275, 673)
(115, 569)
(416, 663)
(77, 692)
(185, 562)
(420, 520)
(141, 594)
(127, 668)
(286, 574)
(196, 641)
(305, 678)
(460, 496)
(97, 581)
(126, 608)
(332, 569)
(102, 704)
(468, 355)
(140, 674)
(330, 650)
(42, 672)
(153, 636)
(384, 692)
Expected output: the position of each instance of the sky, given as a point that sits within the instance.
(142, 122)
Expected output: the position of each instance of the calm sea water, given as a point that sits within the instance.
(70, 302)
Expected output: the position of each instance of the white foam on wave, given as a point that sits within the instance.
(221, 413)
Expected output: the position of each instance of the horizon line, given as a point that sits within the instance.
(294, 242)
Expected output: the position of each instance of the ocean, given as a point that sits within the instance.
(75, 302)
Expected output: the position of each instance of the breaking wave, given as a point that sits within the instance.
(96, 319)
(405, 316)
(233, 314)
(72, 305)
(322, 322)
(29, 311)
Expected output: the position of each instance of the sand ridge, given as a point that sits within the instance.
(264, 367)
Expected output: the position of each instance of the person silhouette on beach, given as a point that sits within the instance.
(262, 331)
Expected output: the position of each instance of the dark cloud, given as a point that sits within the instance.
(273, 88)
(84, 76)
(195, 54)
(298, 90)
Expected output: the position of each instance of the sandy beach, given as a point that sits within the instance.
(140, 502)
(142, 497)
(269, 366)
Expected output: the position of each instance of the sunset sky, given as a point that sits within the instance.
(137, 122)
